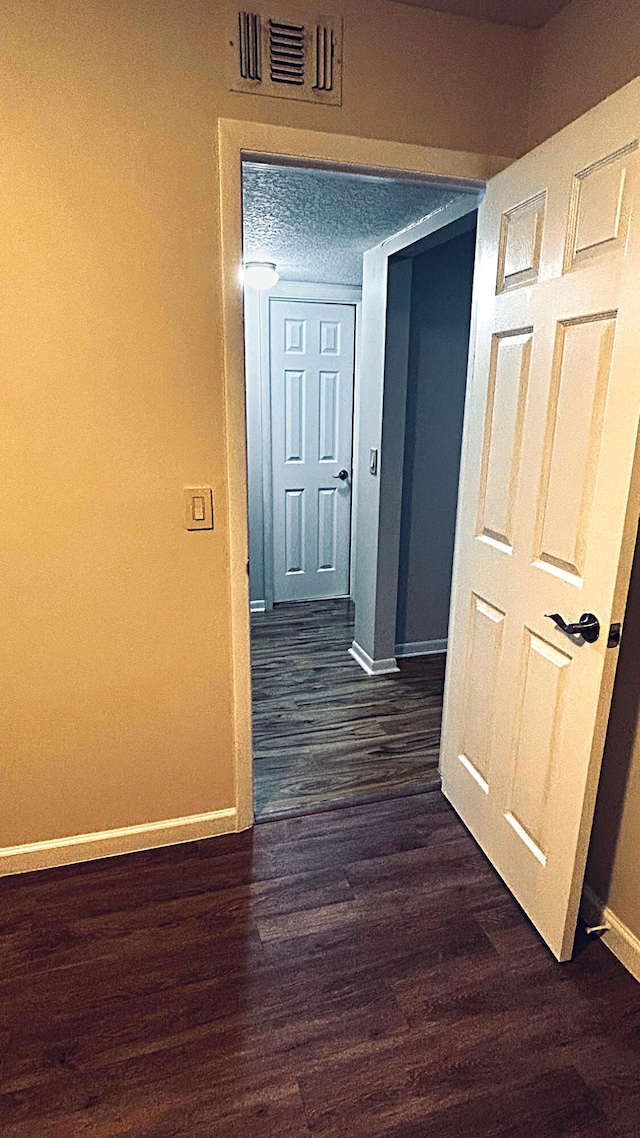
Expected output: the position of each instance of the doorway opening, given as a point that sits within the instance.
(332, 722)
(551, 420)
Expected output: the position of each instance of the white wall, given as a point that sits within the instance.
(386, 289)
(438, 350)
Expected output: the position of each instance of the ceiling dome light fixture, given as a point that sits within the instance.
(260, 275)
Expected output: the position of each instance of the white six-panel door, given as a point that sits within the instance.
(311, 386)
(550, 435)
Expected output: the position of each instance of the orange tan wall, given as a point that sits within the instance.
(114, 640)
(587, 51)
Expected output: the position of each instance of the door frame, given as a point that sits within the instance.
(238, 139)
(385, 363)
(258, 390)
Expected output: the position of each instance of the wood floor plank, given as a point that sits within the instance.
(361, 972)
(324, 731)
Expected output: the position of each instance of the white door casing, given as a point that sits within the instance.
(312, 349)
(551, 424)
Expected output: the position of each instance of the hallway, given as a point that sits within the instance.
(324, 732)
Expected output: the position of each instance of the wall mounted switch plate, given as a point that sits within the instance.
(198, 507)
(373, 460)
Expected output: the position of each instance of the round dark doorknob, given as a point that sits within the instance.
(343, 475)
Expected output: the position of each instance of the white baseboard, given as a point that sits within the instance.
(372, 667)
(257, 606)
(109, 843)
(619, 939)
(421, 648)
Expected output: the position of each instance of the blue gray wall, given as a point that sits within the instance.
(438, 351)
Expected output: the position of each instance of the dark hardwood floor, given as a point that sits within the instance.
(352, 974)
(324, 731)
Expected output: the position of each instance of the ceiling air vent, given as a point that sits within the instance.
(286, 52)
(301, 58)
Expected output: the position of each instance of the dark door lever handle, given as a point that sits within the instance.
(588, 627)
(343, 475)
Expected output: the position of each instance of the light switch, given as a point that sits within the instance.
(373, 460)
(198, 507)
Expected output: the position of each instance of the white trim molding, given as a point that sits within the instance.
(618, 937)
(237, 139)
(372, 667)
(312, 290)
(109, 843)
(421, 648)
(258, 606)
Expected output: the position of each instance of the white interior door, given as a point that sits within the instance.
(550, 437)
(311, 365)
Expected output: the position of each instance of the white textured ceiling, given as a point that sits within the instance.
(315, 224)
(521, 13)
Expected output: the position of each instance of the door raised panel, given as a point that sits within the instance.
(329, 338)
(506, 400)
(485, 648)
(579, 384)
(327, 501)
(294, 531)
(294, 400)
(599, 212)
(295, 336)
(535, 753)
(328, 432)
(521, 231)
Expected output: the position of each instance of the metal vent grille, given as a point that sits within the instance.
(287, 58)
(286, 52)
(325, 50)
(250, 45)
